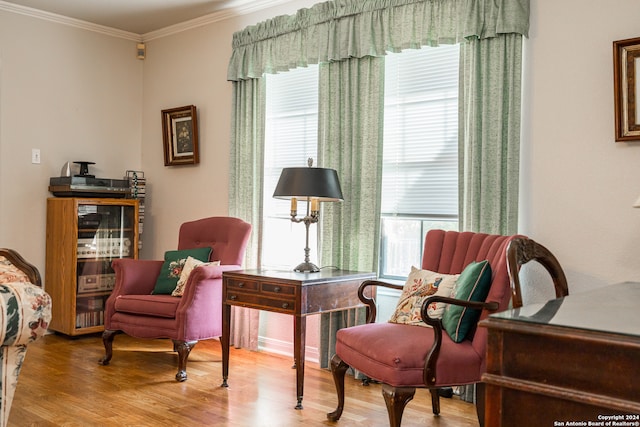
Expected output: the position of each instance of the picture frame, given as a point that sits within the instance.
(180, 136)
(626, 66)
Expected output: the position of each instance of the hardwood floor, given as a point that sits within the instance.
(62, 384)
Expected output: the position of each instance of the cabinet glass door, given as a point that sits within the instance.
(105, 233)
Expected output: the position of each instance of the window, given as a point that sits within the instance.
(291, 137)
(420, 160)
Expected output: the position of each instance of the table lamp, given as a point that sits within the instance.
(313, 185)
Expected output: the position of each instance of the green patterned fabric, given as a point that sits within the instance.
(246, 190)
(247, 161)
(351, 115)
(337, 30)
(489, 134)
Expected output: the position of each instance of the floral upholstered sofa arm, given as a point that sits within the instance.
(26, 305)
(25, 310)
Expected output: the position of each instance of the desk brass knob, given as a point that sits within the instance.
(276, 289)
(241, 285)
(285, 305)
(233, 297)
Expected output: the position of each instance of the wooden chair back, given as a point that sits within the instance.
(522, 250)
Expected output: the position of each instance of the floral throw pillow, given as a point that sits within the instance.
(419, 285)
(172, 268)
(189, 265)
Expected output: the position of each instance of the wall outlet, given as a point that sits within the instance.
(35, 155)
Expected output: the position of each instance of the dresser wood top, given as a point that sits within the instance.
(612, 309)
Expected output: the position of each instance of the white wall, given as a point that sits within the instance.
(578, 184)
(75, 95)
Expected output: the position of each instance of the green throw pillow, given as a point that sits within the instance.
(472, 285)
(172, 267)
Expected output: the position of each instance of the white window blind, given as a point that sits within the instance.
(291, 137)
(420, 163)
(420, 157)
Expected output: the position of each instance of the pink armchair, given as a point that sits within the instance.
(404, 357)
(197, 314)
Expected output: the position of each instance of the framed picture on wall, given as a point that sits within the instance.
(626, 66)
(180, 136)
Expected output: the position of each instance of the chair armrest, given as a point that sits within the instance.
(368, 299)
(436, 323)
(205, 282)
(135, 276)
(212, 271)
(203, 294)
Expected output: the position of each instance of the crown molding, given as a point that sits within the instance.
(244, 9)
(65, 20)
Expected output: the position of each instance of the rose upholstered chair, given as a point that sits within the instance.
(25, 313)
(170, 298)
(405, 356)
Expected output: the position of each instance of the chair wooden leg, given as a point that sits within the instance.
(435, 401)
(107, 340)
(480, 402)
(183, 348)
(338, 369)
(396, 399)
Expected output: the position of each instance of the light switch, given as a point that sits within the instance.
(35, 155)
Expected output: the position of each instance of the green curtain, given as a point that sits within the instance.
(489, 133)
(350, 133)
(489, 139)
(336, 30)
(245, 190)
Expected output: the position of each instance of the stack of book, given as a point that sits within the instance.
(138, 182)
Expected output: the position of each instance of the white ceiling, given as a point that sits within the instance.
(135, 16)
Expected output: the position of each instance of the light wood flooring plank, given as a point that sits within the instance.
(62, 384)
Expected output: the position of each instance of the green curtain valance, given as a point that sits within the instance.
(340, 29)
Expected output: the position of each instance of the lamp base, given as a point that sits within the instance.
(306, 267)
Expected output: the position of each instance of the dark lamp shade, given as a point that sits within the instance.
(305, 183)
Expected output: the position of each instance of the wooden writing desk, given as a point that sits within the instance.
(573, 359)
(297, 294)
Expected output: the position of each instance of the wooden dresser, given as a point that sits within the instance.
(571, 361)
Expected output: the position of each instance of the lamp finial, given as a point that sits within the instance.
(310, 162)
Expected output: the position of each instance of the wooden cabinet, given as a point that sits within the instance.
(84, 235)
(572, 361)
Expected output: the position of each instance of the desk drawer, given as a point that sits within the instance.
(283, 305)
(244, 285)
(277, 288)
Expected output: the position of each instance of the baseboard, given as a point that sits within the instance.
(285, 348)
